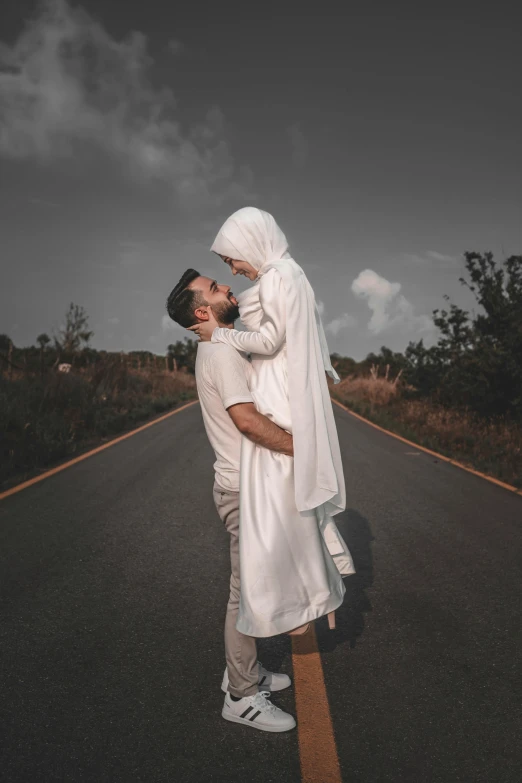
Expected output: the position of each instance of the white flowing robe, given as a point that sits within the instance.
(291, 560)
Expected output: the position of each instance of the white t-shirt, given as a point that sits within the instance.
(222, 377)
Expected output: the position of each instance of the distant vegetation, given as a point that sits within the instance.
(61, 397)
(463, 396)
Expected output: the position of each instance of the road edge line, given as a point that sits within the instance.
(70, 463)
(491, 479)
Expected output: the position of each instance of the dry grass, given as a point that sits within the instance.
(376, 390)
(492, 446)
(44, 421)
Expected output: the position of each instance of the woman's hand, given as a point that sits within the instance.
(204, 329)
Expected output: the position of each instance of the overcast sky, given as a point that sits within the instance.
(386, 142)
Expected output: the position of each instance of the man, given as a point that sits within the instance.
(229, 412)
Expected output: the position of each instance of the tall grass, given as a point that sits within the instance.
(44, 421)
(491, 445)
(378, 391)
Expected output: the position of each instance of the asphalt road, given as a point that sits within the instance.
(114, 578)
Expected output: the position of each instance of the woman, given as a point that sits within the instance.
(292, 556)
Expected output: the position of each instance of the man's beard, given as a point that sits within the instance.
(226, 312)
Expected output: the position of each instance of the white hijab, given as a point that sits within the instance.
(252, 235)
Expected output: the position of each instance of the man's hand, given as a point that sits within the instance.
(261, 430)
(204, 329)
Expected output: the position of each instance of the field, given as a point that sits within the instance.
(50, 418)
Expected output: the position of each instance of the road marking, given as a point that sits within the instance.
(433, 453)
(53, 471)
(317, 749)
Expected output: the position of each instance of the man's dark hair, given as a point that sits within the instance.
(183, 301)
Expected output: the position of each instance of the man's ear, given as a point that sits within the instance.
(201, 313)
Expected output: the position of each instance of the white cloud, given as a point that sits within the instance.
(416, 258)
(114, 321)
(390, 309)
(345, 321)
(440, 257)
(428, 258)
(65, 81)
(299, 145)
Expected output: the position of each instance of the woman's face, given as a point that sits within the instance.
(240, 268)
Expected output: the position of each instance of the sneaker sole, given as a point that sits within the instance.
(258, 726)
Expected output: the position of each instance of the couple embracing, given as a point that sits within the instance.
(279, 478)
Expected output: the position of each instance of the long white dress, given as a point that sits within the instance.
(292, 562)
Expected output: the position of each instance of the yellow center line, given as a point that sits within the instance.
(317, 748)
(53, 471)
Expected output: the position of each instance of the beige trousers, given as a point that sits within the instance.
(240, 650)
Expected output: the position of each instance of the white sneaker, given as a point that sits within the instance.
(258, 712)
(271, 681)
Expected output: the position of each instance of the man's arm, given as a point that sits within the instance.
(261, 430)
(229, 377)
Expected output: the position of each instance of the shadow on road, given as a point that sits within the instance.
(355, 529)
(273, 651)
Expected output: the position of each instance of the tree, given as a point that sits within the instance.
(5, 343)
(343, 365)
(74, 333)
(172, 356)
(476, 363)
(6, 352)
(183, 354)
(387, 362)
(43, 341)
